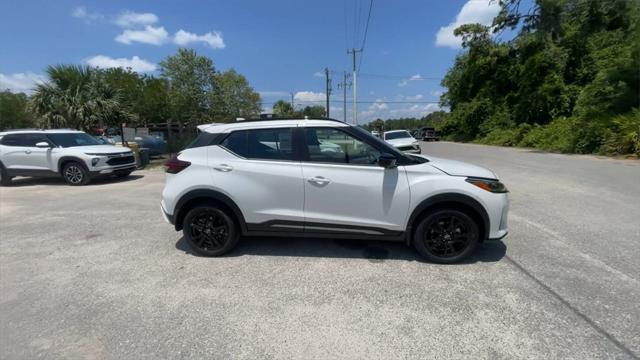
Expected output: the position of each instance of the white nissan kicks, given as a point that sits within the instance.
(72, 154)
(325, 178)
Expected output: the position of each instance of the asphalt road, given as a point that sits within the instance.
(93, 272)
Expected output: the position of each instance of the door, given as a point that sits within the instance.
(259, 171)
(20, 152)
(346, 191)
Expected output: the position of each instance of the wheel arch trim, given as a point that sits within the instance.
(68, 158)
(207, 194)
(449, 198)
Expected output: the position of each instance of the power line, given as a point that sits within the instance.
(366, 30)
(405, 77)
(358, 101)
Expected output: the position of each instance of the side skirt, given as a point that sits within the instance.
(282, 228)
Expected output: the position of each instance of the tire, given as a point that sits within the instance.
(75, 174)
(123, 174)
(5, 179)
(446, 236)
(222, 235)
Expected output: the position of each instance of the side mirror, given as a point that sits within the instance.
(387, 160)
(43, 145)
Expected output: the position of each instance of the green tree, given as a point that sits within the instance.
(316, 111)
(233, 97)
(14, 113)
(191, 79)
(76, 96)
(283, 108)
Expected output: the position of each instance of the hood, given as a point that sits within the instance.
(459, 168)
(402, 142)
(101, 149)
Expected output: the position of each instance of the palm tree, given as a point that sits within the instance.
(77, 96)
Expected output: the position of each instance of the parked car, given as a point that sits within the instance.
(428, 134)
(156, 145)
(402, 140)
(272, 178)
(375, 133)
(74, 155)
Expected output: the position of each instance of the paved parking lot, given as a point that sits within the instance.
(94, 272)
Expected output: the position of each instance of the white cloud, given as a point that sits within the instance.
(318, 74)
(378, 105)
(414, 110)
(150, 35)
(309, 96)
(129, 19)
(474, 11)
(20, 82)
(88, 17)
(436, 93)
(405, 82)
(213, 39)
(414, 97)
(135, 63)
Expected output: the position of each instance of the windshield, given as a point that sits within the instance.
(397, 135)
(73, 139)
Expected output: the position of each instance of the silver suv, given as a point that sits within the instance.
(72, 154)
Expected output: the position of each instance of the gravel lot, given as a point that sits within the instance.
(94, 272)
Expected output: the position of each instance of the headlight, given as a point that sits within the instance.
(493, 186)
(96, 154)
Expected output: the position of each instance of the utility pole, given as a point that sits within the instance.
(344, 85)
(354, 51)
(292, 106)
(328, 88)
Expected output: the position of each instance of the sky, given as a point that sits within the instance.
(282, 47)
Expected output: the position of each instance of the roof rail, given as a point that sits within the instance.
(288, 118)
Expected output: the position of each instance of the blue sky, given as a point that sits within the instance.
(280, 46)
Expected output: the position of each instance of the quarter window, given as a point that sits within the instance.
(330, 145)
(263, 144)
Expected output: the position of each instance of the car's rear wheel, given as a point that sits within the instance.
(446, 236)
(75, 174)
(210, 231)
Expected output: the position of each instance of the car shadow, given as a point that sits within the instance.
(374, 251)
(58, 181)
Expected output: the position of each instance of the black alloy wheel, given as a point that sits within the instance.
(446, 236)
(210, 231)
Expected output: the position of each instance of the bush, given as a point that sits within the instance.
(506, 137)
(623, 136)
(557, 136)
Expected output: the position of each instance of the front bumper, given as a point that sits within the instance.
(111, 170)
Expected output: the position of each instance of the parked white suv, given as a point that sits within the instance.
(402, 140)
(280, 178)
(72, 154)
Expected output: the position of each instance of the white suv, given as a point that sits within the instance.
(325, 178)
(72, 154)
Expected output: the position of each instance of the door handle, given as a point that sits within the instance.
(223, 168)
(319, 180)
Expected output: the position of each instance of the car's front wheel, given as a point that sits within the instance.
(5, 179)
(210, 231)
(75, 174)
(446, 236)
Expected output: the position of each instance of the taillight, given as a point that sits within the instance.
(175, 165)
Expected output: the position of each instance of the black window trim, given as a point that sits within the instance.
(44, 136)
